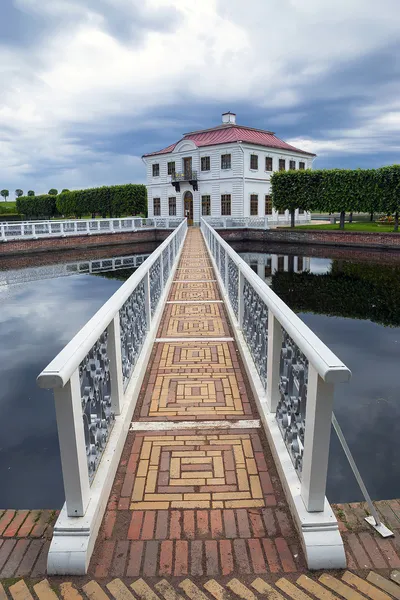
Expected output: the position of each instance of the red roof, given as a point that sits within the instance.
(228, 133)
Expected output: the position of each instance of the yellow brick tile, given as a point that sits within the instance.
(155, 455)
(239, 456)
(219, 470)
(162, 497)
(231, 495)
(251, 466)
(291, 590)
(244, 503)
(138, 489)
(188, 453)
(213, 452)
(142, 468)
(195, 461)
(243, 482)
(151, 482)
(183, 482)
(216, 481)
(175, 468)
(255, 486)
(318, 590)
(248, 450)
(264, 588)
(198, 496)
(240, 590)
(191, 504)
(194, 474)
(218, 504)
(149, 506)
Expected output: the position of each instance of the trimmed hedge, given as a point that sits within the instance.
(37, 206)
(338, 190)
(115, 201)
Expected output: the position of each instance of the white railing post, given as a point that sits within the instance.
(72, 446)
(114, 354)
(226, 271)
(147, 299)
(3, 232)
(316, 441)
(240, 297)
(273, 361)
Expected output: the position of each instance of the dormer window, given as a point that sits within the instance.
(156, 170)
(254, 162)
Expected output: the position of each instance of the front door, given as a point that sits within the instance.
(187, 167)
(188, 207)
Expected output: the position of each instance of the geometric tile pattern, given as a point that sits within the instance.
(194, 320)
(194, 291)
(197, 471)
(190, 274)
(197, 357)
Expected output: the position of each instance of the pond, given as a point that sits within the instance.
(42, 306)
(351, 300)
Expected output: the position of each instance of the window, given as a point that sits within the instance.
(254, 205)
(292, 165)
(156, 207)
(156, 170)
(302, 166)
(172, 206)
(226, 203)
(225, 161)
(206, 205)
(171, 168)
(254, 161)
(268, 268)
(268, 205)
(205, 163)
(281, 211)
(301, 211)
(268, 163)
(299, 263)
(282, 164)
(281, 263)
(254, 266)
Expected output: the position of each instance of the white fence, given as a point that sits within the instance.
(255, 222)
(43, 229)
(295, 375)
(96, 379)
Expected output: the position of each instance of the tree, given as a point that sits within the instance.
(64, 190)
(19, 193)
(53, 192)
(389, 188)
(31, 193)
(5, 194)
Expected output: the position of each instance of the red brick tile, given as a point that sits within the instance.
(211, 549)
(136, 525)
(269, 522)
(135, 559)
(121, 554)
(42, 523)
(216, 523)
(137, 444)
(188, 524)
(11, 530)
(127, 487)
(389, 552)
(266, 483)
(150, 559)
(113, 502)
(28, 524)
(166, 557)
(29, 559)
(229, 523)
(181, 558)
(285, 555)
(175, 525)
(124, 503)
(6, 519)
(256, 524)
(162, 525)
(272, 555)
(225, 552)
(5, 550)
(358, 551)
(148, 525)
(260, 460)
(202, 522)
(196, 555)
(284, 523)
(40, 566)
(270, 500)
(14, 559)
(256, 555)
(105, 560)
(243, 523)
(372, 549)
(351, 563)
(109, 522)
(241, 558)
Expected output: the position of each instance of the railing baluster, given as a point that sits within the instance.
(114, 354)
(147, 298)
(240, 299)
(273, 361)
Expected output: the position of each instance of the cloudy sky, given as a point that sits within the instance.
(88, 86)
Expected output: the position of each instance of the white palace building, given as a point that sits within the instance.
(221, 171)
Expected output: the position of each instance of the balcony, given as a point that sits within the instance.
(187, 175)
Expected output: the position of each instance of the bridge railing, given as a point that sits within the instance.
(91, 376)
(42, 229)
(254, 222)
(296, 370)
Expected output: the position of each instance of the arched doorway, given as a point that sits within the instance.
(188, 207)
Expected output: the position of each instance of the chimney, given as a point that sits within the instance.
(229, 117)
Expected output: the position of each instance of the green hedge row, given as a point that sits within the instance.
(113, 201)
(37, 206)
(338, 190)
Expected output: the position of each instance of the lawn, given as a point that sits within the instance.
(368, 227)
(7, 208)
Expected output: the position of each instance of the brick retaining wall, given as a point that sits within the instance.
(82, 241)
(314, 237)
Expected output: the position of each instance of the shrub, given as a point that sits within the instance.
(115, 201)
(37, 206)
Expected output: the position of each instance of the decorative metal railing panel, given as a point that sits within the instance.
(291, 409)
(253, 222)
(233, 286)
(165, 263)
(155, 284)
(133, 327)
(222, 257)
(255, 328)
(98, 417)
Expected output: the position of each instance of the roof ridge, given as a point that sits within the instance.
(229, 126)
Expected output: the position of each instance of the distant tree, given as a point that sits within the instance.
(19, 193)
(31, 193)
(64, 190)
(5, 194)
(53, 192)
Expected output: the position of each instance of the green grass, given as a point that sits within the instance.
(368, 227)
(7, 208)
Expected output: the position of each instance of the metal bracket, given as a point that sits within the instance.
(379, 527)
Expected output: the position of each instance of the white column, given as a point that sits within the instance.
(273, 361)
(316, 441)
(71, 438)
(114, 354)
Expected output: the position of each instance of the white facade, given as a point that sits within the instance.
(240, 181)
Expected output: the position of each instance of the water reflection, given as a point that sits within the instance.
(40, 311)
(353, 306)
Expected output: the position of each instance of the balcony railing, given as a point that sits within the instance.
(187, 175)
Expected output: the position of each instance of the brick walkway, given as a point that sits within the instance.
(206, 499)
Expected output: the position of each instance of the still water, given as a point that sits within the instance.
(351, 300)
(41, 308)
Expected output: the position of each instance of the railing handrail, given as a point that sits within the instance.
(330, 368)
(60, 369)
(99, 220)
